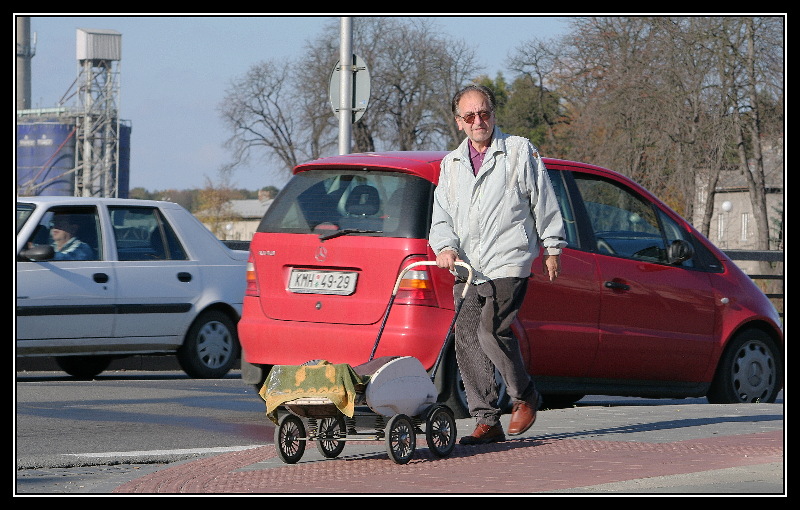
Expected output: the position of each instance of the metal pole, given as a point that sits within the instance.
(24, 54)
(345, 86)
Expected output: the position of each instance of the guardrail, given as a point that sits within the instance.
(762, 255)
(756, 255)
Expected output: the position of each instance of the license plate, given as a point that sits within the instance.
(306, 281)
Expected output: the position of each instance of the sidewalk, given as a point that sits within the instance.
(650, 449)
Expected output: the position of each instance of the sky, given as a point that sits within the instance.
(175, 71)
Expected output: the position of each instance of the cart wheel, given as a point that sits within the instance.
(401, 440)
(290, 440)
(440, 431)
(329, 429)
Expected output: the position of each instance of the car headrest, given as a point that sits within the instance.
(363, 201)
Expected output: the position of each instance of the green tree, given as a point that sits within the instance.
(524, 114)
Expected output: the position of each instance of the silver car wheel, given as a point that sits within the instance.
(211, 346)
(750, 370)
(214, 344)
(753, 372)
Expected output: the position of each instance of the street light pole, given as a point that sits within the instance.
(345, 86)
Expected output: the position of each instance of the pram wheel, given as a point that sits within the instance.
(330, 428)
(401, 440)
(290, 438)
(440, 431)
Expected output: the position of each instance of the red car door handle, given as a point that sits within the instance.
(617, 285)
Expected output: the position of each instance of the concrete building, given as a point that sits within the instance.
(245, 215)
(733, 225)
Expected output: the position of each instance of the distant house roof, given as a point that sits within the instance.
(733, 182)
(774, 173)
(250, 208)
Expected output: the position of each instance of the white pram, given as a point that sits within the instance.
(393, 397)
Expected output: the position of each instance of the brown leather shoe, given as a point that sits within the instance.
(484, 434)
(523, 416)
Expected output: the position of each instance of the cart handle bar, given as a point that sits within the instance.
(432, 263)
(394, 293)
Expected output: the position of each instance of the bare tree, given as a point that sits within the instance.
(665, 100)
(607, 76)
(283, 108)
(740, 81)
(312, 82)
(260, 112)
(702, 80)
(459, 68)
(697, 123)
(413, 72)
(755, 77)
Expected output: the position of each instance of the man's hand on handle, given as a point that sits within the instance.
(447, 259)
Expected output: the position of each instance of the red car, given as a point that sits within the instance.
(645, 305)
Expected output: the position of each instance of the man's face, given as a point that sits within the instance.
(479, 131)
(59, 235)
(62, 229)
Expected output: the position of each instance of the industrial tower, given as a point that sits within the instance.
(74, 150)
(97, 130)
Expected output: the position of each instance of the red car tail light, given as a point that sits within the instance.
(251, 288)
(416, 287)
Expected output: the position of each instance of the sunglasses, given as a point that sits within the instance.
(470, 117)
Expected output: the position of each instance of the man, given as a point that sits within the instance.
(66, 245)
(493, 204)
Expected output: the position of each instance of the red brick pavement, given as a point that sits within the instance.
(518, 466)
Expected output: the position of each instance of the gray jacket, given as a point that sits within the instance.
(495, 220)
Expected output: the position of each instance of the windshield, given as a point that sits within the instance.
(347, 201)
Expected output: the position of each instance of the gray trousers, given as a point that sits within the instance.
(484, 341)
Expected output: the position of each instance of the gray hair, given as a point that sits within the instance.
(486, 91)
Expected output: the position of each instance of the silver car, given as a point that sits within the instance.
(104, 278)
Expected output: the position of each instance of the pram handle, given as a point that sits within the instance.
(432, 263)
(394, 293)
